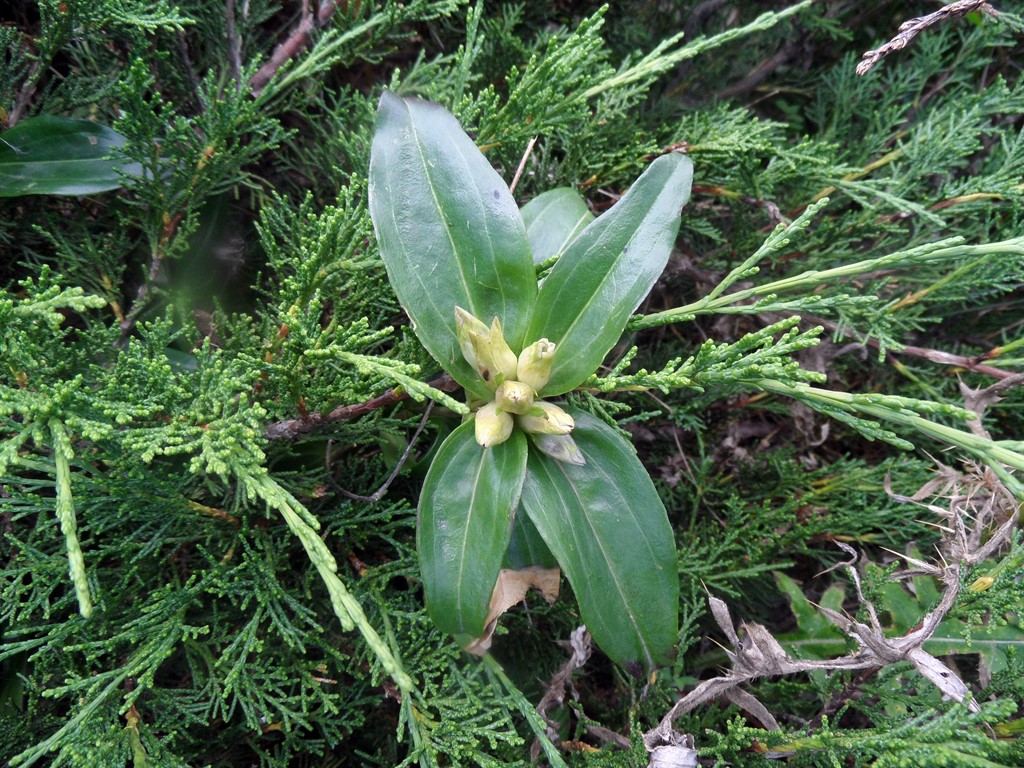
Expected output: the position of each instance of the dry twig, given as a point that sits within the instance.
(380, 492)
(295, 43)
(290, 429)
(978, 400)
(522, 164)
(912, 28)
(978, 497)
(579, 645)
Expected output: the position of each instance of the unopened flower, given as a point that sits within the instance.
(560, 448)
(505, 361)
(514, 397)
(485, 349)
(546, 419)
(493, 426)
(473, 336)
(535, 364)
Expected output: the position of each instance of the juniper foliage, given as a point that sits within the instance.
(205, 374)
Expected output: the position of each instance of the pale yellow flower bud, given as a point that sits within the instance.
(469, 331)
(535, 364)
(560, 448)
(546, 419)
(493, 426)
(514, 397)
(482, 359)
(501, 353)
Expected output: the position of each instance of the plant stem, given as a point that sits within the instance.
(993, 453)
(348, 610)
(536, 723)
(950, 248)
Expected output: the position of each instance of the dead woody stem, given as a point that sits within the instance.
(977, 496)
(912, 28)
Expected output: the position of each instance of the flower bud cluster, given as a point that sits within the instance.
(515, 381)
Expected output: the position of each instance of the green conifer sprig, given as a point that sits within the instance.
(764, 353)
(860, 411)
(923, 739)
(348, 611)
(661, 58)
(62, 455)
(402, 374)
(938, 252)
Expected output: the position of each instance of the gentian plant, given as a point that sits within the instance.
(527, 483)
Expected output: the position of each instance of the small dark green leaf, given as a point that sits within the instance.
(527, 549)
(553, 219)
(608, 530)
(464, 525)
(607, 270)
(50, 155)
(816, 637)
(449, 231)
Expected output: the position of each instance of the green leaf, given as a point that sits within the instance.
(607, 270)
(991, 640)
(608, 530)
(449, 231)
(553, 219)
(464, 525)
(816, 637)
(526, 548)
(50, 155)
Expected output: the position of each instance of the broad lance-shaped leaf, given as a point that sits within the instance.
(606, 271)
(553, 219)
(607, 528)
(464, 526)
(449, 231)
(50, 155)
(527, 549)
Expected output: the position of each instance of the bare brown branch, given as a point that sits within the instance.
(977, 497)
(152, 274)
(975, 364)
(296, 41)
(234, 43)
(25, 94)
(289, 429)
(762, 71)
(912, 28)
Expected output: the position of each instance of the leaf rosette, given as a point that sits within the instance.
(527, 482)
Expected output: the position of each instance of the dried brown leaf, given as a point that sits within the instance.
(511, 588)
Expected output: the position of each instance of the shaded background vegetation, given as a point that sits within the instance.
(241, 290)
